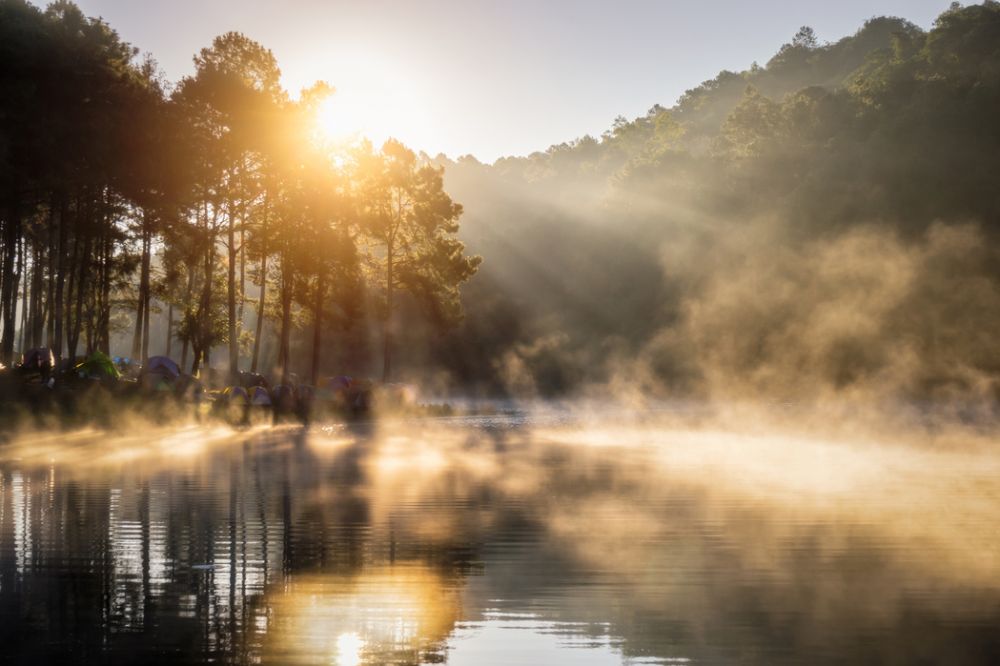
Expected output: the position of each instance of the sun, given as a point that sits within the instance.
(373, 109)
(370, 95)
(343, 119)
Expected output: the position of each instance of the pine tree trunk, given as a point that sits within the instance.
(50, 291)
(204, 311)
(187, 302)
(143, 301)
(286, 320)
(11, 234)
(24, 297)
(241, 301)
(170, 328)
(317, 328)
(234, 343)
(387, 324)
(82, 269)
(145, 327)
(260, 311)
(17, 278)
(36, 319)
(58, 309)
(259, 324)
(146, 292)
(196, 363)
(104, 327)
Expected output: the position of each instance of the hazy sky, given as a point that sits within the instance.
(492, 78)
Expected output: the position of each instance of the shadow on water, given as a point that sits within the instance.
(491, 542)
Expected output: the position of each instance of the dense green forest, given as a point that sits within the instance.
(824, 222)
(209, 214)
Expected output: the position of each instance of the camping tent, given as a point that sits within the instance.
(97, 366)
(162, 365)
(250, 379)
(41, 358)
(236, 394)
(339, 383)
(260, 397)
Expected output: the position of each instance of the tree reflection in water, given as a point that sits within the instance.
(491, 542)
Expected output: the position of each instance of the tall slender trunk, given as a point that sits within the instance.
(234, 343)
(170, 328)
(18, 277)
(69, 300)
(51, 249)
(35, 318)
(40, 292)
(146, 292)
(203, 332)
(387, 324)
(11, 234)
(145, 327)
(142, 306)
(83, 267)
(44, 321)
(4, 223)
(260, 313)
(187, 301)
(317, 327)
(91, 323)
(263, 292)
(24, 296)
(241, 301)
(196, 362)
(57, 305)
(286, 319)
(93, 288)
(104, 327)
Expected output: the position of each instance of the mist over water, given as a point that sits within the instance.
(739, 357)
(531, 538)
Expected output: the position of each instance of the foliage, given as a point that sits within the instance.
(119, 192)
(690, 258)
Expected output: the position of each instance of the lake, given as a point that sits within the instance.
(498, 540)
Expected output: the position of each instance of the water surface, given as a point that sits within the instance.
(505, 540)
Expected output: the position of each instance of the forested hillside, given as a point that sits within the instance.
(826, 221)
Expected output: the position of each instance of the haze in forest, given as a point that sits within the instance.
(821, 222)
(493, 79)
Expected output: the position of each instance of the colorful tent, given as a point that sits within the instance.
(97, 366)
(39, 358)
(162, 365)
(339, 383)
(260, 397)
(251, 379)
(236, 394)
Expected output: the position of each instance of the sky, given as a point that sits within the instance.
(493, 77)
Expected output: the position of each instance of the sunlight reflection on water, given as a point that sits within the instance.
(349, 647)
(499, 540)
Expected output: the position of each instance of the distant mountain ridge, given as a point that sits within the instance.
(620, 247)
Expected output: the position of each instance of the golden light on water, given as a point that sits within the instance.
(352, 619)
(349, 647)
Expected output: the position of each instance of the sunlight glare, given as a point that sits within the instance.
(375, 109)
(349, 646)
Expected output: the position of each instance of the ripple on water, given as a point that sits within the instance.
(495, 540)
